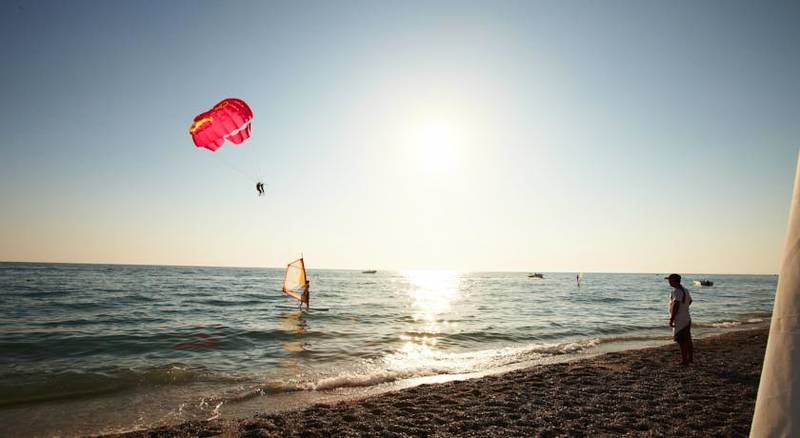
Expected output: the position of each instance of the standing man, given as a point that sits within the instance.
(679, 319)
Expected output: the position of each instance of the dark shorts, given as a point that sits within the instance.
(684, 334)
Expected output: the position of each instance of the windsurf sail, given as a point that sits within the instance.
(295, 282)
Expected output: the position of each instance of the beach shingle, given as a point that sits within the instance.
(631, 393)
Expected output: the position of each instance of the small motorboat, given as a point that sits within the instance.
(703, 283)
(536, 275)
(371, 271)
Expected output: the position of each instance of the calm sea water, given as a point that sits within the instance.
(93, 348)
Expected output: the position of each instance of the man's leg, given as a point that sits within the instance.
(683, 338)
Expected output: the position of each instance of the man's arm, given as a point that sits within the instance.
(673, 310)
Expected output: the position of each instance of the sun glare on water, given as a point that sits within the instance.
(432, 295)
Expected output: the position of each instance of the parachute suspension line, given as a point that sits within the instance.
(236, 168)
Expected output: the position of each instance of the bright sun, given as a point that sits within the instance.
(436, 144)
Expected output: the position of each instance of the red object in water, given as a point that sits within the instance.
(228, 120)
(206, 342)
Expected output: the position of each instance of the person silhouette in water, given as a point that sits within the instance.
(260, 188)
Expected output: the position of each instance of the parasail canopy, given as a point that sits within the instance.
(227, 120)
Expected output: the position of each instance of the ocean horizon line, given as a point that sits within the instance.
(311, 268)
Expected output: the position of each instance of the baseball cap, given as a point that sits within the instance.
(673, 277)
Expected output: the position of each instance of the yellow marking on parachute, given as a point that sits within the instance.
(200, 123)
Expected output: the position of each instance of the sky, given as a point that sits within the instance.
(620, 136)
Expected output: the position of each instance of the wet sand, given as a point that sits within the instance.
(636, 393)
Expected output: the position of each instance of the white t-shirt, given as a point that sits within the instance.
(682, 318)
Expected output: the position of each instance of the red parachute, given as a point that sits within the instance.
(228, 120)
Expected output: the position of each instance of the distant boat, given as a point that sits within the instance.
(371, 271)
(536, 275)
(703, 283)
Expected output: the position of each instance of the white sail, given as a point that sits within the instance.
(295, 283)
(777, 412)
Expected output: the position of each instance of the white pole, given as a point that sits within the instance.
(777, 412)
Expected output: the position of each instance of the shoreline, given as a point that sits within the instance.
(636, 392)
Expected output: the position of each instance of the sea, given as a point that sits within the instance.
(90, 349)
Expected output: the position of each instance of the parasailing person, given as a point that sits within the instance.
(230, 120)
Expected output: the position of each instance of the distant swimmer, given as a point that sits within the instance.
(260, 188)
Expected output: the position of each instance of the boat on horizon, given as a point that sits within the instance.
(371, 271)
(703, 282)
(536, 275)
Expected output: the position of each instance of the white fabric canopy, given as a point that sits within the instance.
(777, 412)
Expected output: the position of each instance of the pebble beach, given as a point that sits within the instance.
(634, 393)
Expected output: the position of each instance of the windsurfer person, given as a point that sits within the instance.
(305, 295)
(260, 188)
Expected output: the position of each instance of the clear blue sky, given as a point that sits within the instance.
(586, 136)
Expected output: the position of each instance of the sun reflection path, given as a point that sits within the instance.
(432, 296)
(293, 322)
(432, 292)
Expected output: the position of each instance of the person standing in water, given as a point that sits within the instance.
(305, 297)
(679, 318)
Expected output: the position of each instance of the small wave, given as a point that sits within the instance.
(482, 337)
(608, 299)
(728, 324)
(629, 339)
(571, 347)
(225, 303)
(42, 387)
(352, 380)
(101, 319)
(208, 406)
(731, 323)
(175, 374)
(139, 298)
(424, 362)
(85, 306)
(408, 365)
